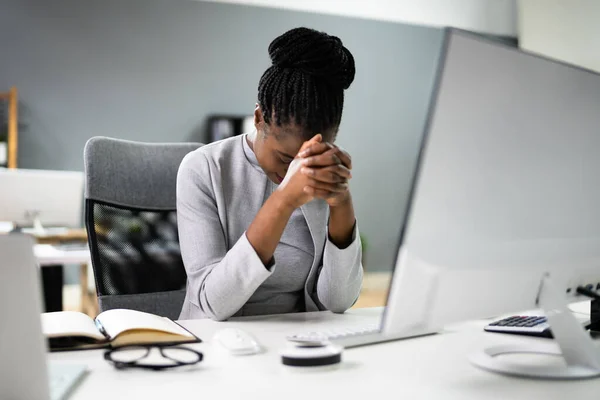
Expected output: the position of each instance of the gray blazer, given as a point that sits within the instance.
(218, 195)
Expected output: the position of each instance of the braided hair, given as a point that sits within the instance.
(305, 84)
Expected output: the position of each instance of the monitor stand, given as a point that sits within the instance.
(38, 228)
(34, 217)
(572, 341)
(594, 325)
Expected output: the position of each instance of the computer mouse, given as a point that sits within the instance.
(237, 341)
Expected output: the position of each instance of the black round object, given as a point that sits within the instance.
(311, 356)
(311, 362)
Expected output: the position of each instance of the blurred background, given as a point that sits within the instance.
(188, 71)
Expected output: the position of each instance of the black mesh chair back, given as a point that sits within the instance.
(131, 217)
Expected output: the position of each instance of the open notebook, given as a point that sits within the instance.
(71, 330)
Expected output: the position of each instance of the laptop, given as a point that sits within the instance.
(24, 371)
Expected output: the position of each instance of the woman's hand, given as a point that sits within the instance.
(322, 170)
(292, 189)
(328, 169)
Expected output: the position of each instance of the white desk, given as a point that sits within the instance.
(48, 254)
(432, 367)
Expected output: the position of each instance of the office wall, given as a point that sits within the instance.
(153, 70)
(496, 17)
(568, 30)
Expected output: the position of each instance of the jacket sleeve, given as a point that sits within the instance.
(340, 280)
(220, 282)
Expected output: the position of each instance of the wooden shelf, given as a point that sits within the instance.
(12, 98)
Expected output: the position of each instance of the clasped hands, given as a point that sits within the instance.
(319, 170)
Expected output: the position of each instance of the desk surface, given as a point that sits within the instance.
(69, 235)
(52, 235)
(433, 367)
(49, 251)
(48, 254)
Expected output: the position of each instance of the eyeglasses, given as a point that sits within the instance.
(154, 357)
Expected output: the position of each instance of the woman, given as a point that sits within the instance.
(266, 222)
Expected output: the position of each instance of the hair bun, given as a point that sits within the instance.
(315, 53)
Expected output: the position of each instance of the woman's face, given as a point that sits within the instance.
(276, 146)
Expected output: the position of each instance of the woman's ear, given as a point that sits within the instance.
(258, 117)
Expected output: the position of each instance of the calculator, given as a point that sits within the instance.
(530, 325)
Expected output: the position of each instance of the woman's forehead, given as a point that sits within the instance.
(286, 141)
(293, 132)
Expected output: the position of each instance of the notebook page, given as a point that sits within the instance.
(118, 321)
(69, 323)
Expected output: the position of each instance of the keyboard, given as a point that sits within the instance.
(325, 336)
(530, 325)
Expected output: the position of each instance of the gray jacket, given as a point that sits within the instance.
(218, 195)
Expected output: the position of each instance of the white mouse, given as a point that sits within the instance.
(237, 341)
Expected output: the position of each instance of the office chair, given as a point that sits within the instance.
(130, 215)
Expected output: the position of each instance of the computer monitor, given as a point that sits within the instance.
(25, 372)
(505, 206)
(21, 328)
(40, 197)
